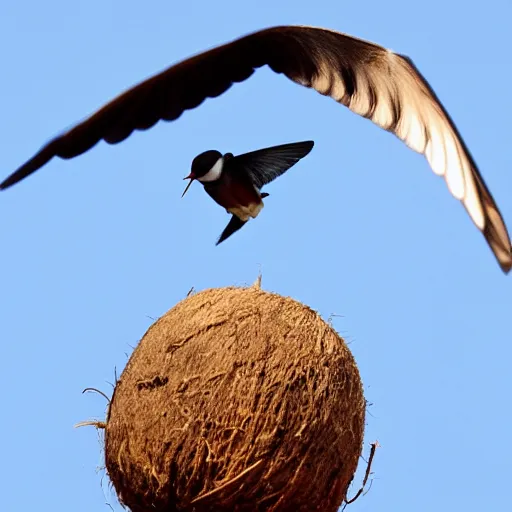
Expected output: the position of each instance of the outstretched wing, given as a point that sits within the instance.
(265, 165)
(233, 225)
(368, 79)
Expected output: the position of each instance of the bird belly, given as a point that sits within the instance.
(244, 212)
(236, 196)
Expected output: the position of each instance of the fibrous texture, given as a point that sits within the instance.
(236, 400)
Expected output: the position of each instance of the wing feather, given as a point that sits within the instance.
(388, 89)
(265, 165)
(370, 80)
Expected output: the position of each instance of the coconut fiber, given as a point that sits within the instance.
(236, 400)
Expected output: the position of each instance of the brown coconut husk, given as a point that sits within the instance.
(236, 400)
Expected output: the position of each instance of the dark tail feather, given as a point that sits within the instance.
(234, 225)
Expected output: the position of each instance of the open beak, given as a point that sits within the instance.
(190, 177)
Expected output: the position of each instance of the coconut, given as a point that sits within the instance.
(236, 400)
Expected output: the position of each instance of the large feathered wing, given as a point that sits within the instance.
(265, 165)
(368, 79)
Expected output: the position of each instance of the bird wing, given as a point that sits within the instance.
(370, 80)
(265, 165)
(233, 225)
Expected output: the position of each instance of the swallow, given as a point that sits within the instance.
(235, 182)
(372, 81)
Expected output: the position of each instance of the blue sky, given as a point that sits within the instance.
(93, 248)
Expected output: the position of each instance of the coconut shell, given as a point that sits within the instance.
(236, 400)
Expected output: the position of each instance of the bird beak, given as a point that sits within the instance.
(190, 177)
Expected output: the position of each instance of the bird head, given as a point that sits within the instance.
(206, 167)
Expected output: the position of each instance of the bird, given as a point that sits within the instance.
(372, 81)
(235, 182)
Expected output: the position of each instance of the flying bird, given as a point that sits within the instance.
(235, 182)
(370, 80)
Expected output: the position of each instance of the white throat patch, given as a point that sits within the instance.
(214, 173)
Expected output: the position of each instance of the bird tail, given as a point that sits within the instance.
(234, 225)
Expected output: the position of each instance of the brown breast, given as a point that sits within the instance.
(232, 190)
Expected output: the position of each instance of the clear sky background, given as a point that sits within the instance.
(93, 248)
